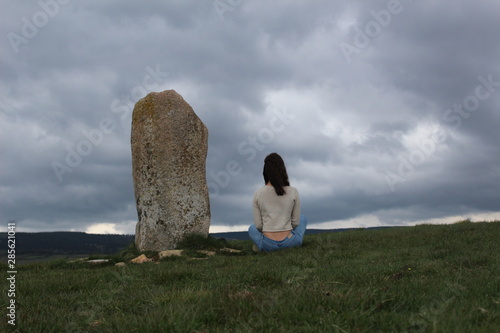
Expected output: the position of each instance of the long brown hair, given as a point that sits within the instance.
(275, 172)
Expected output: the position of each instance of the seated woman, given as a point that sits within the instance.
(276, 210)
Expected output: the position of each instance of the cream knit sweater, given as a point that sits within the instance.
(276, 213)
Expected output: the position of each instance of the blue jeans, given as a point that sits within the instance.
(267, 245)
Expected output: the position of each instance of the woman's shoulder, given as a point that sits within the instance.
(270, 190)
(291, 189)
(263, 189)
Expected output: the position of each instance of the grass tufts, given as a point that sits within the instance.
(200, 242)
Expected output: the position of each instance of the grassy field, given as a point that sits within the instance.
(414, 279)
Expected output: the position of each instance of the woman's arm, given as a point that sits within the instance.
(257, 217)
(296, 211)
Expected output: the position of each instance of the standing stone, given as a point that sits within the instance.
(169, 150)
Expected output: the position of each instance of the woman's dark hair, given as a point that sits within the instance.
(275, 172)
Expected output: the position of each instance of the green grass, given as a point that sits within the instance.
(415, 279)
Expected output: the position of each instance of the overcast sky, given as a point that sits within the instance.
(385, 112)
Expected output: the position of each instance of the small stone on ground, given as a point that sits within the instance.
(97, 261)
(140, 259)
(170, 253)
(226, 249)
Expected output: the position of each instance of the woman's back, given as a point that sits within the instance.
(274, 212)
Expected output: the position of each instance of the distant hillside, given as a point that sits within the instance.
(66, 243)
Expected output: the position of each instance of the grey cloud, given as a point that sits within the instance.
(352, 119)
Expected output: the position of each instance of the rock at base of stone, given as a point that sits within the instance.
(140, 259)
(170, 253)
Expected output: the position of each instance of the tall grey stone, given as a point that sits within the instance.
(169, 150)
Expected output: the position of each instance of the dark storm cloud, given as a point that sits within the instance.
(358, 130)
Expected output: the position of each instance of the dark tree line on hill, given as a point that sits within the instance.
(66, 242)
